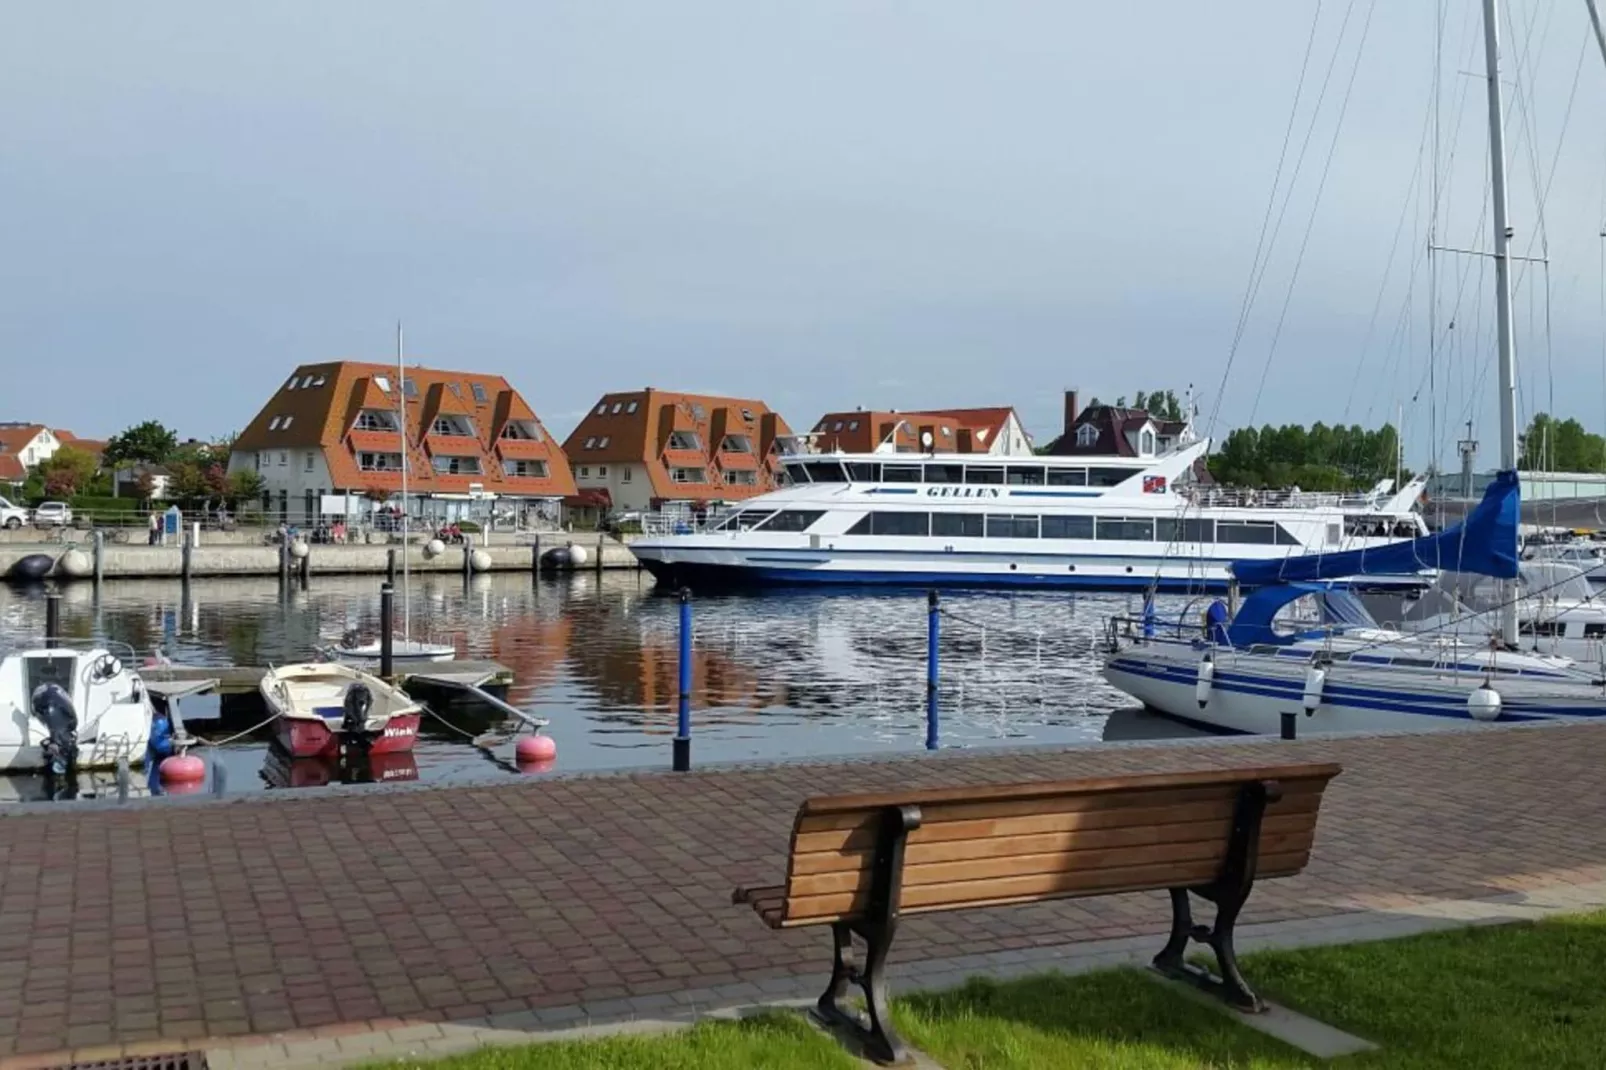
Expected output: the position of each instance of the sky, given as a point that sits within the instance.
(826, 204)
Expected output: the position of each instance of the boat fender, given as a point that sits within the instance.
(1484, 703)
(1207, 675)
(1315, 681)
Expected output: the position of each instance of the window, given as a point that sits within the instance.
(1067, 527)
(625, 476)
(890, 523)
(747, 414)
(291, 385)
(409, 388)
(685, 440)
(1286, 537)
(978, 474)
(1108, 477)
(590, 443)
(319, 381)
(602, 409)
(527, 469)
(456, 390)
(945, 473)
(1087, 436)
(1011, 527)
(602, 470)
(863, 472)
(1200, 531)
(957, 525)
(853, 425)
(1250, 532)
(585, 473)
(742, 477)
(263, 460)
(457, 466)
(1335, 534)
(1595, 631)
(1023, 475)
(630, 408)
(1125, 529)
(479, 393)
(825, 472)
(273, 424)
(792, 473)
(382, 383)
(744, 520)
(616, 407)
(837, 426)
(284, 458)
(379, 462)
(947, 432)
(306, 383)
(688, 475)
(900, 473)
(792, 520)
(376, 420)
(1548, 628)
(1146, 442)
(310, 456)
(1067, 477)
(288, 420)
(454, 426)
(602, 443)
(736, 444)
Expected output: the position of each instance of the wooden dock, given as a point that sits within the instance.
(244, 679)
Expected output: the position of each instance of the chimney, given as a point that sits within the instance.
(1071, 411)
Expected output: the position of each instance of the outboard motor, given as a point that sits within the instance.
(354, 713)
(53, 707)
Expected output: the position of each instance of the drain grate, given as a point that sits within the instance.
(173, 1060)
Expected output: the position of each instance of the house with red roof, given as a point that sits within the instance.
(1117, 431)
(996, 431)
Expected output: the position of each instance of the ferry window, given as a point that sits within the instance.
(1335, 534)
(980, 474)
(1126, 528)
(1595, 631)
(1548, 628)
(957, 525)
(1107, 477)
(793, 520)
(900, 473)
(1011, 527)
(744, 519)
(890, 523)
(1200, 531)
(825, 472)
(864, 472)
(1167, 530)
(795, 473)
(1286, 537)
(945, 473)
(1067, 527)
(1252, 532)
(1067, 477)
(1021, 475)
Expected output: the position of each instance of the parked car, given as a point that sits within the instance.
(52, 515)
(12, 516)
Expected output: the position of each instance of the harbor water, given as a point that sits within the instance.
(779, 675)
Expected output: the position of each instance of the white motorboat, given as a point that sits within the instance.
(325, 706)
(353, 648)
(969, 520)
(67, 706)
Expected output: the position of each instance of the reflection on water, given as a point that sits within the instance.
(785, 674)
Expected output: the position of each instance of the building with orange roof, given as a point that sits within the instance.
(996, 431)
(28, 444)
(335, 429)
(648, 450)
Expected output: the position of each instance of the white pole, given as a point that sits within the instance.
(401, 394)
(1600, 35)
(1502, 274)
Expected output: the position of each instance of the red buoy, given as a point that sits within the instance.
(536, 749)
(182, 773)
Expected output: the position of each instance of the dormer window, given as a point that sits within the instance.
(382, 382)
(1146, 442)
(376, 420)
(409, 388)
(1087, 435)
(521, 430)
(736, 444)
(479, 393)
(685, 440)
(455, 426)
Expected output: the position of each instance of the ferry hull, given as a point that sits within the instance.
(717, 576)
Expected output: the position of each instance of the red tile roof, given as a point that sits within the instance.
(318, 408)
(16, 437)
(634, 427)
(11, 468)
(860, 431)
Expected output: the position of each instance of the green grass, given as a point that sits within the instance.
(762, 1042)
(1512, 997)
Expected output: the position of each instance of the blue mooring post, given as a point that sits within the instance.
(682, 746)
(933, 614)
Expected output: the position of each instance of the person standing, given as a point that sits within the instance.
(155, 527)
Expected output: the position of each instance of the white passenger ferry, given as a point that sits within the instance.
(966, 520)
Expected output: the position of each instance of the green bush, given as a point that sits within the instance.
(89, 504)
(468, 527)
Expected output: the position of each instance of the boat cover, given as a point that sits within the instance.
(1252, 623)
(1485, 543)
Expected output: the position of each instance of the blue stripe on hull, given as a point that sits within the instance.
(700, 575)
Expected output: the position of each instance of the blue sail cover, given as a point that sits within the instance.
(1484, 543)
(1253, 622)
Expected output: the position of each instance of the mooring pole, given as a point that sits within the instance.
(387, 630)
(184, 557)
(933, 616)
(284, 560)
(305, 564)
(52, 618)
(468, 557)
(390, 566)
(100, 558)
(1290, 725)
(535, 553)
(682, 745)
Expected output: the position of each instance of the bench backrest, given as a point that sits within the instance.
(1020, 843)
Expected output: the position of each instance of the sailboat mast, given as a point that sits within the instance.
(1600, 35)
(401, 394)
(1502, 272)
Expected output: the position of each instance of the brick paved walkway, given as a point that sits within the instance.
(589, 896)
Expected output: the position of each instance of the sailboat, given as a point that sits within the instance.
(404, 648)
(1301, 642)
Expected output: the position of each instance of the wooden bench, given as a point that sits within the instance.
(860, 862)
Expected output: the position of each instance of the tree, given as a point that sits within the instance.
(67, 472)
(1317, 458)
(187, 482)
(243, 486)
(149, 442)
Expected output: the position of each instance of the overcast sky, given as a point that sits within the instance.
(822, 204)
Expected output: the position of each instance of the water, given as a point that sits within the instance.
(780, 675)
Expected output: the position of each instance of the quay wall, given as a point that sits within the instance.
(129, 562)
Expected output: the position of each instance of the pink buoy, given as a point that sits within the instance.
(182, 773)
(536, 749)
(529, 768)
